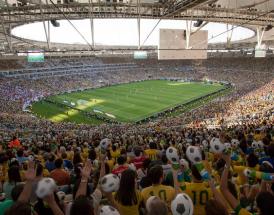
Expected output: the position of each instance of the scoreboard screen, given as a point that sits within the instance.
(36, 57)
(140, 55)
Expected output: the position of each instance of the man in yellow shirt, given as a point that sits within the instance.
(258, 135)
(252, 163)
(115, 153)
(165, 193)
(199, 191)
(3, 167)
(152, 151)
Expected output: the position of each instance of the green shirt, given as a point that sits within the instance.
(5, 205)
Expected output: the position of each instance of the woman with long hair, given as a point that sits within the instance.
(14, 178)
(127, 199)
(77, 158)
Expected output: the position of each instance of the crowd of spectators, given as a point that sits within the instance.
(150, 182)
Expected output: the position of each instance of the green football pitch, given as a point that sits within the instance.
(124, 103)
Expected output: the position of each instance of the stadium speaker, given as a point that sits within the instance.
(22, 2)
(55, 23)
(184, 36)
(268, 27)
(198, 23)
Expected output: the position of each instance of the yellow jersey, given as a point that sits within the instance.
(165, 193)
(200, 193)
(216, 176)
(258, 137)
(41, 159)
(22, 175)
(210, 156)
(70, 155)
(133, 209)
(115, 154)
(241, 211)
(45, 173)
(86, 150)
(84, 156)
(152, 153)
(3, 171)
(110, 163)
(244, 212)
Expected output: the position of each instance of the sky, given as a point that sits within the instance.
(119, 31)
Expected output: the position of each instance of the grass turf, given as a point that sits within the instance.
(125, 102)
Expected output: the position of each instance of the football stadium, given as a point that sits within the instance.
(137, 107)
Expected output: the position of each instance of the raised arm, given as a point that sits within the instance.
(224, 188)
(102, 168)
(217, 195)
(175, 180)
(82, 190)
(30, 175)
(263, 186)
(53, 205)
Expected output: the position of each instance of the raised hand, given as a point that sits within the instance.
(49, 199)
(85, 172)
(102, 157)
(30, 174)
(211, 183)
(226, 158)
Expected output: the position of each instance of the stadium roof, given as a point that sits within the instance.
(251, 13)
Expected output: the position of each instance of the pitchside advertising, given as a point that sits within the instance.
(36, 57)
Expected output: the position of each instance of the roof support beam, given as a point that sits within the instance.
(260, 35)
(91, 23)
(188, 33)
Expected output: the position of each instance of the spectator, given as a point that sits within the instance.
(59, 174)
(165, 193)
(14, 179)
(127, 199)
(67, 163)
(138, 159)
(50, 164)
(20, 156)
(122, 166)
